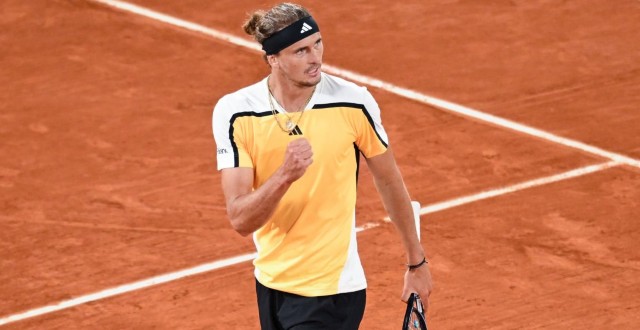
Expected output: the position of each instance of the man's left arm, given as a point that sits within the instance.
(395, 198)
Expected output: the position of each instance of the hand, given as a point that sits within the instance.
(297, 159)
(418, 281)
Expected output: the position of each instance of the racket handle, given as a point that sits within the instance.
(416, 215)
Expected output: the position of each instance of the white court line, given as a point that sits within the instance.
(617, 160)
(391, 88)
(208, 267)
(128, 288)
(517, 187)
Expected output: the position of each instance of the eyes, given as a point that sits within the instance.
(304, 50)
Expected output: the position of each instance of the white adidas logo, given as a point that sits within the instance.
(305, 27)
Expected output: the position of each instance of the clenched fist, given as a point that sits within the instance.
(297, 159)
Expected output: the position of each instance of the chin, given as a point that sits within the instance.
(312, 82)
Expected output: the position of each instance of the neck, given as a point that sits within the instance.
(293, 97)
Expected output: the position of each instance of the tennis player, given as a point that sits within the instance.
(288, 150)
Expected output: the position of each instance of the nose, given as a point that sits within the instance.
(315, 56)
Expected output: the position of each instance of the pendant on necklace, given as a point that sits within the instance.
(290, 125)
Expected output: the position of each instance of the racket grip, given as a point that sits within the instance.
(416, 215)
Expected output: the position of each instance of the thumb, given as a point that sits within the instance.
(405, 294)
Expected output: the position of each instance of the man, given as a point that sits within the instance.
(288, 151)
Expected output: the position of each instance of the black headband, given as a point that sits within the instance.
(288, 36)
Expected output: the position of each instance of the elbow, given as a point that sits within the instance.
(244, 223)
(240, 228)
(243, 232)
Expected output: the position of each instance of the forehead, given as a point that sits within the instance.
(306, 42)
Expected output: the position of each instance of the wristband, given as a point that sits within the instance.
(418, 265)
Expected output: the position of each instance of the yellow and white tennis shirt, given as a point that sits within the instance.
(308, 247)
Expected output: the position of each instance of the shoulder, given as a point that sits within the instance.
(247, 99)
(337, 90)
(333, 84)
(247, 102)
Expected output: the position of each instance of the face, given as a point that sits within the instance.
(300, 63)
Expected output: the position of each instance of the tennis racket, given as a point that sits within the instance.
(414, 316)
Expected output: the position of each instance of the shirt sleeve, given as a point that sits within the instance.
(372, 139)
(229, 135)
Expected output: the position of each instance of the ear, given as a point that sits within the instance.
(272, 60)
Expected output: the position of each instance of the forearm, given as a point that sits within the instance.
(250, 211)
(398, 205)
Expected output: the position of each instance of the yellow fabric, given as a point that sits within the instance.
(303, 247)
(309, 246)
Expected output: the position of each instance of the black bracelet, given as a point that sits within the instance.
(412, 267)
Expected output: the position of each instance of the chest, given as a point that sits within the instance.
(331, 135)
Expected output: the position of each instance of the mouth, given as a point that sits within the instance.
(314, 71)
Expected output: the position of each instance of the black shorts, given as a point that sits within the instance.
(283, 311)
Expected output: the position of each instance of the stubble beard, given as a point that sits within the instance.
(314, 82)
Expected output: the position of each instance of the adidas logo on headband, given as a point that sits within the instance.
(306, 27)
(290, 35)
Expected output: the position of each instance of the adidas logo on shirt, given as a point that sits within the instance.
(296, 131)
(306, 27)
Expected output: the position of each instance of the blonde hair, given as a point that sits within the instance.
(262, 25)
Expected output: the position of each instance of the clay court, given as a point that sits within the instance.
(529, 177)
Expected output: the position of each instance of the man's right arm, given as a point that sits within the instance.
(249, 209)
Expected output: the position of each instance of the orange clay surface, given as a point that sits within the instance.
(107, 161)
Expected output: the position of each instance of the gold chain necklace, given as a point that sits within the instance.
(289, 124)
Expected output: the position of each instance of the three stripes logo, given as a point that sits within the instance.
(306, 27)
(296, 131)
